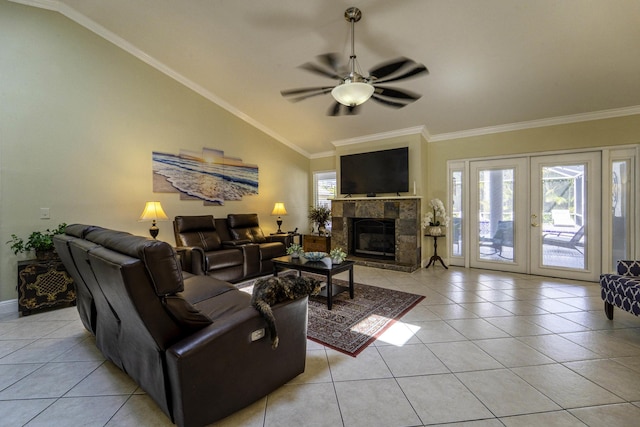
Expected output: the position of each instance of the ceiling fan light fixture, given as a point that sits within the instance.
(352, 93)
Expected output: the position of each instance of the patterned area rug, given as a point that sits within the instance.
(353, 324)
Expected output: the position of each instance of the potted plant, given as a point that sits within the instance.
(39, 241)
(320, 215)
(436, 218)
(337, 255)
(295, 250)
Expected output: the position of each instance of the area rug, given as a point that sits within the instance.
(353, 324)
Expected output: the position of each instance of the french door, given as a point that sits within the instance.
(499, 201)
(565, 216)
(537, 215)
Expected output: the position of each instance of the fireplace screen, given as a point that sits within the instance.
(374, 238)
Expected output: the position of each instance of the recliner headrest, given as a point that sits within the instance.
(243, 220)
(185, 224)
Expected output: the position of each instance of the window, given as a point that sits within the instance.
(324, 188)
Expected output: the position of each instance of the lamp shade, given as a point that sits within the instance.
(153, 212)
(352, 93)
(278, 209)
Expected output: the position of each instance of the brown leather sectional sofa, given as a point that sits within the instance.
(232, 248)
(192, 342)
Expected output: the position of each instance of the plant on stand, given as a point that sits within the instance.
(320, 215)
(435, 218)
(39, 241)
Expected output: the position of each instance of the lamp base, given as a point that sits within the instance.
(154, 230)
(279, 222)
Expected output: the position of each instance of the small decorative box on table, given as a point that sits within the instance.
(43, 284)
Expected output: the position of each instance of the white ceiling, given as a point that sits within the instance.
(494, 64)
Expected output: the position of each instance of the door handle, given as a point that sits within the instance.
(534, 224)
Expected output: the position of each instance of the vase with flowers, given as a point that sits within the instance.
(436, 218)
(295, 250)
(337, 255)
(320, 215)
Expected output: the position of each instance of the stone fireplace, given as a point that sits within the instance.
(389, 231)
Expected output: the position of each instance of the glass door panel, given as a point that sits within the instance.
(620, 208)
(456, 213)
(498, 192)
(564, 191)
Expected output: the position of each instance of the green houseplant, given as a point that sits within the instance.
(337, 255)
(320, 215)
(295, 250)
(39, 241)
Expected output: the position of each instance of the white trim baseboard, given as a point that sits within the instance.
(9, 306)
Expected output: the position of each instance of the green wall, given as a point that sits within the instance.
(79, 118)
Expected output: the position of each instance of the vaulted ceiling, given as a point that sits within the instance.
(494, 64)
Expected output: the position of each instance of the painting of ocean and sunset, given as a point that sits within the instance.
(208, 176)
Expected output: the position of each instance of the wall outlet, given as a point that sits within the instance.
(44, 213)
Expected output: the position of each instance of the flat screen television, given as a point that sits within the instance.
(385, 171)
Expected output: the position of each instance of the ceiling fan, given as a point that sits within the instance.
(353, 88)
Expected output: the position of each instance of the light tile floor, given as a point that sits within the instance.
(483, 349)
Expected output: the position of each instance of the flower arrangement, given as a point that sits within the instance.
(294, 250)
(337, 255)
(436, 216)
(320, 215)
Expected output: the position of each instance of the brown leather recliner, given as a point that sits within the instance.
(246, 227)
(207, 248)
(193, 343)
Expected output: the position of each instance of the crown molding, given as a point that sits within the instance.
(554, 121)
(98, 29)
(378, 136)
(323, 154)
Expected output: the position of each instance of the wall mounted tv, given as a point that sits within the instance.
(385, 171)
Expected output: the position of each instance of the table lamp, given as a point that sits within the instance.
(279, 210)
(153, 212)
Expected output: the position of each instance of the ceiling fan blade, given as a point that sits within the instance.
(331, 60)
(304, 93)
(389, 67)
(353, 110)
(335, 109)
(389, 103)
(419, 69)
(309, 66)
(338, 109)
(396, 93)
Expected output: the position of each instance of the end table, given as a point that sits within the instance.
(435, 257)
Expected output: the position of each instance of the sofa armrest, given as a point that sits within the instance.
(234, 243)
(285, 239)
(192, 259)
(227, 363)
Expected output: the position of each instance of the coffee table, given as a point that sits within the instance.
(318, 267)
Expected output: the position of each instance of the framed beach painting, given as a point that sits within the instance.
(208, 175)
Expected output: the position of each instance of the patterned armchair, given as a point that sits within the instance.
(622, 290)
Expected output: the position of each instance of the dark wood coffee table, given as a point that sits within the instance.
(318, 267)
